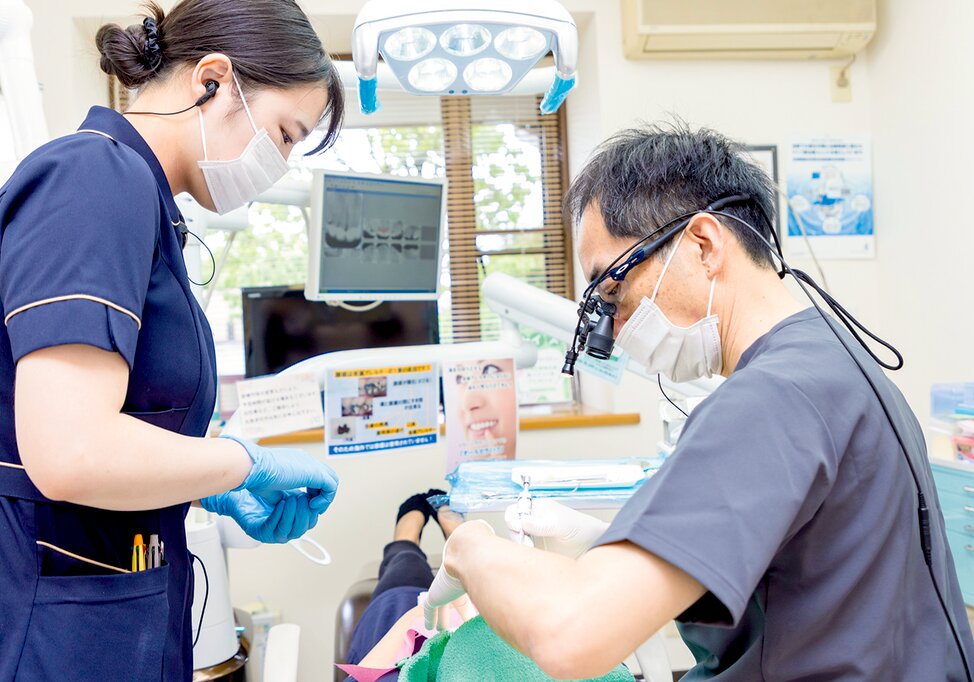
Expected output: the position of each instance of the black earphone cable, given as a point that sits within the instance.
(206, 596)
(211, 88)
(659, 381)
(181, 226)
(161, 113)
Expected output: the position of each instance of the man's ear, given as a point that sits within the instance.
(711, 236)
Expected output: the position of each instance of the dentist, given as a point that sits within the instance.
(782, 534)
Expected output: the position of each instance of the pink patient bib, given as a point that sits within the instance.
(415, 637)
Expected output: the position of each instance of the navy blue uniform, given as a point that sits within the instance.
(90, 253)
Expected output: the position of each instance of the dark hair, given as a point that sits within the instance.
(270, 42)
(642, 178)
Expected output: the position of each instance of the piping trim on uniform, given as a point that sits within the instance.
(13, 466)
(73, 297)
(97, 132)
(81, 558)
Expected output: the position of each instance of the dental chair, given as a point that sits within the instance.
(352, 606)
(350, 611)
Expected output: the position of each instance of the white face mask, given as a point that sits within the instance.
(238, 181)
(681, 353)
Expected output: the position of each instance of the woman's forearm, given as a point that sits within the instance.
(77, 446)
(133, 465)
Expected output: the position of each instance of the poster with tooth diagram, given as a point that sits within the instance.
(830, 194)
(480, 402)
(381, 408)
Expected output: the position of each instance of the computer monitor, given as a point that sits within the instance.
(282, 328)
(374, 238)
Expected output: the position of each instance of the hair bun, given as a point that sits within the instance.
(134, 55)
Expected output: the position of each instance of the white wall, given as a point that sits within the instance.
(920, 67)
(910, 93)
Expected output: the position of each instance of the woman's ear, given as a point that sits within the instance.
(215, 67)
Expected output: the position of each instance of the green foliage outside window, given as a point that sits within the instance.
(273, 250)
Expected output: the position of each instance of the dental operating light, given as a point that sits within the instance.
(463, 47)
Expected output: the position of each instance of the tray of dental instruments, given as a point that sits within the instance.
(582, 484)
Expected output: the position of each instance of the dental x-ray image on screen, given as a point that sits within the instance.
(374, 237)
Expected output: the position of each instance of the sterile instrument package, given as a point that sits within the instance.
(582, 484)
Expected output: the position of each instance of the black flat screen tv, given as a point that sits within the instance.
(282, 328)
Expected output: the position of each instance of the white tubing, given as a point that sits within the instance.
(18, 79)
(281, 656)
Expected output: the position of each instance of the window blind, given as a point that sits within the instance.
(506, 170)
(119, 97)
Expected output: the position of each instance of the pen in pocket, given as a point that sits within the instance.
(155, 560)
(138, 553)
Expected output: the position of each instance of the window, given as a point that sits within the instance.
(504, 166)
(506, 169)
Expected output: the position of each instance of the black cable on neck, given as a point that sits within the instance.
(184, 230)
(849, 321)
(211, 87)
(160, 113)
(659, 380)
(844, 316)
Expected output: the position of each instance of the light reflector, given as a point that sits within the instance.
(433, 75)
(465, 40)
(410, 43)
(487, 74)
(520, 42)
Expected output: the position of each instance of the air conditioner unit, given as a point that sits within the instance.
(746, 29)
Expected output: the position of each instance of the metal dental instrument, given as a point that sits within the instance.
(524, 506)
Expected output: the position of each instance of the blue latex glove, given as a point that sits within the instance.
(281, 498)
(286, 469)
(287, 518)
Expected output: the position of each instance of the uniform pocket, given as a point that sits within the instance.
(171, 420)
(98, 627)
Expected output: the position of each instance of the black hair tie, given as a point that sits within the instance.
(152, 52)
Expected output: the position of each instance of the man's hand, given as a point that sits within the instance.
(446, 588)
(561, 529)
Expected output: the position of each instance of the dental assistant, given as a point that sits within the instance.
(107, 367)
(782, 534)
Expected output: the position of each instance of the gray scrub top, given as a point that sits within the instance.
(789, 500)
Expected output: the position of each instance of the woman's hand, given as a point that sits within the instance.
(281, 498)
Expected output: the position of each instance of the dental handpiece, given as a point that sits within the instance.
(524, 506)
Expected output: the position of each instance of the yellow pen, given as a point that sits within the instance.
(138, 554)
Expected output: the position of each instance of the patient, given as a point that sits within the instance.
(391, 642)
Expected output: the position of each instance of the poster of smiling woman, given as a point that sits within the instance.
(480, 401)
